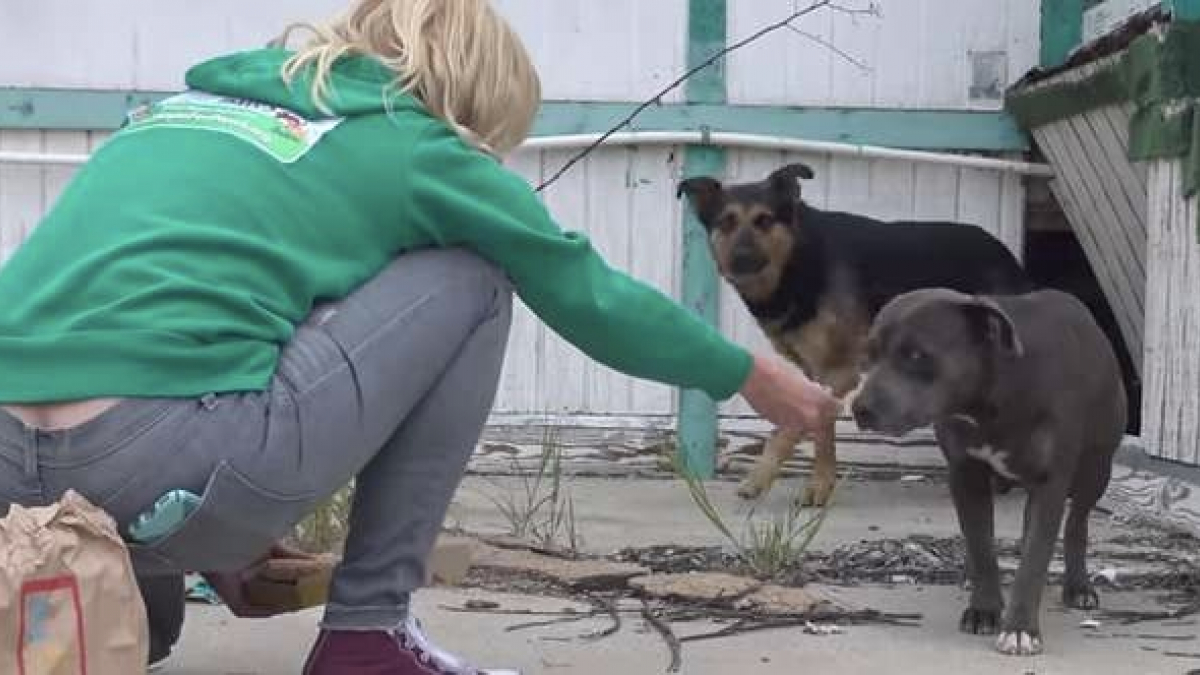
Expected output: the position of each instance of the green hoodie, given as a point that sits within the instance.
(181, 257)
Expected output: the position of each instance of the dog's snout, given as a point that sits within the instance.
(865, 416)
(745, 258)
(746, 262)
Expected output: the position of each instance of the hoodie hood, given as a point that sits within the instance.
(358, 84)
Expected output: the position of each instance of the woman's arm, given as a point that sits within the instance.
(459, 196)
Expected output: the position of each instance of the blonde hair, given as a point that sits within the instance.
(458, 57)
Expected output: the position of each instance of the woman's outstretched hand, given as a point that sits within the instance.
(784, 395)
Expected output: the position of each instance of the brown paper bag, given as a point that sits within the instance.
(69, 601)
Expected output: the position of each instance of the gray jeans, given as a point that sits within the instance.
(391, 385)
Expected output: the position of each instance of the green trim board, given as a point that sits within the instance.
(910, 129)
(707, 20)
(697, 424)
(1061, 30)
(1184, 9)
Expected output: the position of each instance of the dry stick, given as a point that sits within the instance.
(861, 65)
(610, 607)
(550, 622)
(754, 624)
(657, 98)
(1129, 617)
(667, 634)
(513, 612)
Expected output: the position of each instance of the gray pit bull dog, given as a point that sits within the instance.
(1021, 390)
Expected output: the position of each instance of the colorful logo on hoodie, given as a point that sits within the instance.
(281, 133)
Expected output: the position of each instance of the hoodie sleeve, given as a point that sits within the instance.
(459, 196)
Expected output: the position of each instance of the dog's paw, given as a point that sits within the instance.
(818, 491)
(979, 621)
(1019, 643)
(1080, 596)
(815, 495)
(750, 489)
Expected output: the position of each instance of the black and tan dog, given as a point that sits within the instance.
(814, 280)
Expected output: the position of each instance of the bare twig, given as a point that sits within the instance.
(1128, 617)
(736, 628)
(657, 98)
(513, 612)
(856, 62)
(610, 607)
(668, 635)
(549, 622)
(754, 624)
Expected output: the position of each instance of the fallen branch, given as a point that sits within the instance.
(610, 607)
(514, 612)
(1132, 616)
(668, 635)
(755, 624)
(551, 622)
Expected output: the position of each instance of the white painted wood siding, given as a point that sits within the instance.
(1105, 198)
(585, 49)
(1171, 389)
(27, 192)
(920, 53)
(624, 199)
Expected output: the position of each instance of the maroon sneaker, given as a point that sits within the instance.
(406, 651)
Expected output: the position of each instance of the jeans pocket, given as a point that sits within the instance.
(235, 523)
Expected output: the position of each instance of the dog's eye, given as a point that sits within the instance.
(727, 224)
(764, 221)
(918, 363)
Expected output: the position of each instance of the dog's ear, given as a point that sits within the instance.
(993, 326)
(704, 193)
(784, 180)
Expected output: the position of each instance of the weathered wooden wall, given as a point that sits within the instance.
(921, 53)
(947, 54)
(1104, 195)
(148, 44)
(1171, 412)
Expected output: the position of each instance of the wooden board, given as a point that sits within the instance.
(143, 44)
(1171, 385)
(919, 53)
(1104, 198)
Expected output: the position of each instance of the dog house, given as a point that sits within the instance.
(1114, 112)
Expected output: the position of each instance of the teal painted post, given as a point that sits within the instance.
(1188, 10)
(697, 411)
(1062, 30)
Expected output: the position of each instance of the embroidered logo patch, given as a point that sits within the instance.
(279, 132)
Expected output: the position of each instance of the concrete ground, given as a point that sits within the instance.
(614, 513)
